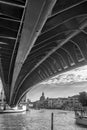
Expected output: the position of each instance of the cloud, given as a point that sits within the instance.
(57, 90)
(76, 75)
(63, 85)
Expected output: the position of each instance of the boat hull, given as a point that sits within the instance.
(81, 121)
(13, 110)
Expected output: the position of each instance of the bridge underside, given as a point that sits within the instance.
(40, 39)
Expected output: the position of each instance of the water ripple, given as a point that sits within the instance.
(39, 120)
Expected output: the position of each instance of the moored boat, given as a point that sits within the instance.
(81, 117)
(13, 110)
(81, 121)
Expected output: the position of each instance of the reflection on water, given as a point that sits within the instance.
(39, 120)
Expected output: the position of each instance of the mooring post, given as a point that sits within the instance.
(52, 121)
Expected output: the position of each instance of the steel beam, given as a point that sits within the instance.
(37, 12)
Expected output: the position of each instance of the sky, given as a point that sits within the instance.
(63, 85)
(56, 90)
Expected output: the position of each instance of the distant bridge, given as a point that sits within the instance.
(38, 40)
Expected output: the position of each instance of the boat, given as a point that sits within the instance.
(81, 118)
(5, 108)
(13, 110)
(81, 121)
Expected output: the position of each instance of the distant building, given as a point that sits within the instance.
(52, 103)
(2, 96)
(57, 103)
(36, 104)
(74, 100)
(42, 101)
(42, 98)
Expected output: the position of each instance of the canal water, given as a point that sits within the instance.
(39, 120)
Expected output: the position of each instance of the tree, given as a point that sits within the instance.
(83, 98)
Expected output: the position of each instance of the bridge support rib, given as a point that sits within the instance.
(37, 12)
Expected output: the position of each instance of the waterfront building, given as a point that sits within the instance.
(36, 104)
(49, 103)
(57, 103)
(42, 101)
(2, 96)
(42, 98)
(73, 100)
